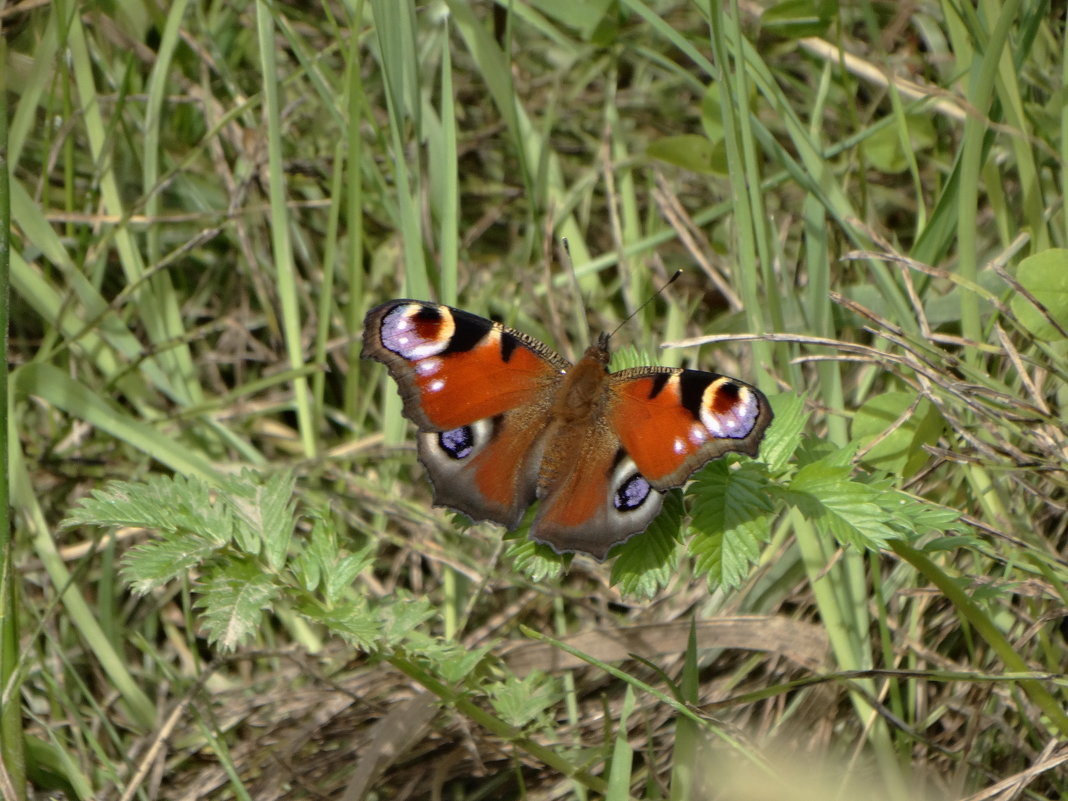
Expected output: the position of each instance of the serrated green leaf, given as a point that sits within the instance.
(162, 503)
(647, 562)
(535, 560)
(629, 356)
(152, 564)
(232, 601)
(265, 512)
(341, 574)
(457, 664)
(402, 616)
(355, 622)
(319, 552)
(847, 509)
(518, 702)
(732, 508)
(784, 435)
(912, 517)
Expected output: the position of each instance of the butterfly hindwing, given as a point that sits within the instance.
(601, 501)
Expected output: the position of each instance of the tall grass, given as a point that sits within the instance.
(206, 199)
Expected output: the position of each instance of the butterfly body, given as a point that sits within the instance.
(505, 421)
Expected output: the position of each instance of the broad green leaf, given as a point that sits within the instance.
(712, 113)
(883, 149)
(584, 17)
(1045, 276)
(691, 152)
(901, 451)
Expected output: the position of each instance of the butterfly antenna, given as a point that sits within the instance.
(569, 265)
(648, 300)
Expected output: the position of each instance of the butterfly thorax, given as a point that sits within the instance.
(581, 393)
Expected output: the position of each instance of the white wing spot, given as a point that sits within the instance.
(436, 385)
(428, 366)
(679, 446)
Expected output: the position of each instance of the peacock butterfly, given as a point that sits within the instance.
(504, 421)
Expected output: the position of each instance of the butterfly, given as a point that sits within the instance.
(505, 421)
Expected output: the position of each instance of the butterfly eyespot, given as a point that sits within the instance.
(632, 493)
(457, 443)
(415, 333)
(728, 410)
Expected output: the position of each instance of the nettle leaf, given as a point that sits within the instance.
(846, 508)
(535, 560)
(232, 601)
(152, 564)
(813, 450)
(912, 517)
(784, 435)
(519, 702)
(645, 563)
(266, 511)
(164, 503)
(731, 513)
